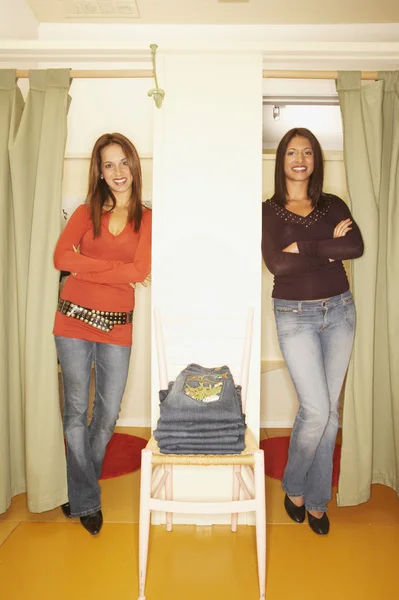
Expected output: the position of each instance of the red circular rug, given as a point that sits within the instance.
(123, 455)
(276, 456)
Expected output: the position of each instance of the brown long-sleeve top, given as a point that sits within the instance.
(308, 275)
(105, 266)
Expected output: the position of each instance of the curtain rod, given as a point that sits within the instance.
(369, 75)
(149, 74)
(100, 74)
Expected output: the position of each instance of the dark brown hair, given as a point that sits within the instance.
(99, 191)
(315, 187)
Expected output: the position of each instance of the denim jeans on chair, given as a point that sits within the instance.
(201, 412)
(180, 404)
(316, 339)
(86, 444)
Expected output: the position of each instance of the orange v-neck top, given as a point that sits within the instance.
(104, 267)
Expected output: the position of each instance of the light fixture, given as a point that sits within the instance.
(100, 9)
(316, 100)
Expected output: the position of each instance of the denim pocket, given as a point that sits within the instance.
(204, 389)
(288, 321)
(350, 312)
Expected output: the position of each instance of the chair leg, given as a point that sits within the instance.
(144, 523)
(260, 515)
(236, 495)
(169, 495)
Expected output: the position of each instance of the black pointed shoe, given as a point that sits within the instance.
(66, 509)
(296, 513)
(320, 526)
(93, 523)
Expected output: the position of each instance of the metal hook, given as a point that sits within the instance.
(157, 93)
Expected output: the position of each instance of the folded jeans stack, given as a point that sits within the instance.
(201, 413)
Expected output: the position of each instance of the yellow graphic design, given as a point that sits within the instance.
(204, 388)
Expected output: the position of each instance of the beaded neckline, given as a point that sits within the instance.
(312, 218)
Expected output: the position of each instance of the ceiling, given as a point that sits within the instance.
(215, 11)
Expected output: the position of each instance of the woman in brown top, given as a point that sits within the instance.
(306, 234)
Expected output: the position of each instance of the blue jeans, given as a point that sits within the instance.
(221, 403)
(316, 339)
(86, 444)
(201, 412)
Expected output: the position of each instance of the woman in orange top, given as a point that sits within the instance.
(106, 245)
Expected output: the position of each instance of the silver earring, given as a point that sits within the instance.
(101, 176)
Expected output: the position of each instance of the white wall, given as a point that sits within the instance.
(207, 222)
(106, 105)
(17, 20)
(187, 34)
(207, 190)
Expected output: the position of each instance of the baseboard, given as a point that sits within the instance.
(133, 423)
(276, 424)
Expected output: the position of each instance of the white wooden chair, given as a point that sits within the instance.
(157, 474)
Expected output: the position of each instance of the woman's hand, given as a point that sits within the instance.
(144, 283)
(342, 228)
(292, 248)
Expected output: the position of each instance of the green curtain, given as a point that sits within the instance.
(12, 439)
(370, 451)
(32, 440)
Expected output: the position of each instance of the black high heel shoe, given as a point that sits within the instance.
(93, 523)
(296, 513)
(320, 526)
(66, 509)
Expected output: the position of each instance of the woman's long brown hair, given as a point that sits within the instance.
(315, 187)
(99, 191)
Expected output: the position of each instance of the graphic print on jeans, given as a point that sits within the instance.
(206, 388)
(316, 339)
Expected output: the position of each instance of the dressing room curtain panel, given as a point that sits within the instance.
(370, 451)
(12, 439)
(32, 455)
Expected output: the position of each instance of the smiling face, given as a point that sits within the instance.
(299, 160)
(115, 169)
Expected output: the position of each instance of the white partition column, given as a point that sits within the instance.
(207, 217)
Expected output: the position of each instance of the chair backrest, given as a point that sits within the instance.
(204, 339)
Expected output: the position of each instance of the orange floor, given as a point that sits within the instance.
(46, 557)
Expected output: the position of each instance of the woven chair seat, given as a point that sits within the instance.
(244, 458)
